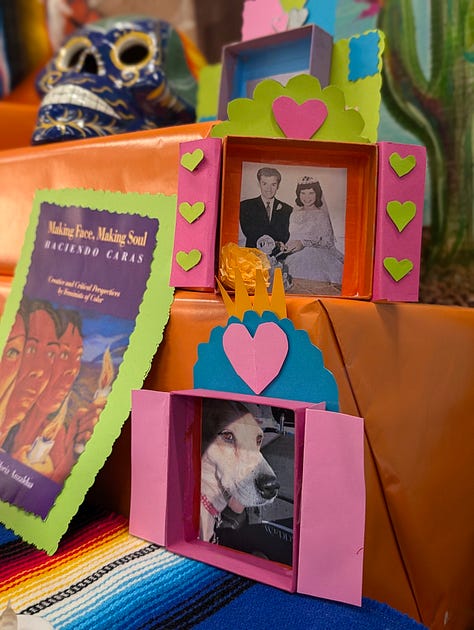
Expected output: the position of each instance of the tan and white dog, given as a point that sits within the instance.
(233, 470)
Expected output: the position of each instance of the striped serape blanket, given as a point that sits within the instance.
(101, 577)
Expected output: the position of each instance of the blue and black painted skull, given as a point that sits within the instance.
(114, 76)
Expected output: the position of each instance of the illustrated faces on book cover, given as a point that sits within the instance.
(12, 354)
(65, 369)
(36, 366)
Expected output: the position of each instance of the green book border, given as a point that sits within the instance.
(144, 341)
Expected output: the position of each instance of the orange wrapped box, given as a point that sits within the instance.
(141, 162)
(406, 368)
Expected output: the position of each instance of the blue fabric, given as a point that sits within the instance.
(145, 587)
(6, 535)
(265, 608)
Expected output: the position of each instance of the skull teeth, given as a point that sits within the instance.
(74, 95)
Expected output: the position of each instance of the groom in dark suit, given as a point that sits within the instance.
(265, 214)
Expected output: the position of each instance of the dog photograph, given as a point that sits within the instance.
(247, 476)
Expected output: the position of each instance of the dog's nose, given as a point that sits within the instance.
(267, 485)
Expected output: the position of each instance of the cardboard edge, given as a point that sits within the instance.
(150, 454)
(333, 485)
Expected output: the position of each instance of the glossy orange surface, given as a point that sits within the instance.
(406, 368)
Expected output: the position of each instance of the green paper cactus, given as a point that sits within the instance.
(438, 110)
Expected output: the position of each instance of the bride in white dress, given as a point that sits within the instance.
(311, 251)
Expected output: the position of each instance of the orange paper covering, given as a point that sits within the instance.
(17, 122)
(406, 368)
(415, 393)
(145, 161)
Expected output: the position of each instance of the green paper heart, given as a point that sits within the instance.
(191, 212)
(287, 5)
(401, 213)
(192, 160)
(188, 260)
(398, 269)
(402, 166)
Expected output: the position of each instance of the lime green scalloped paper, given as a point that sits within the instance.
(287, 5)
(363, 94)
(254, 117)
(144, 340)
(208, 92)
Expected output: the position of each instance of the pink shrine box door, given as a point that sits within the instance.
(328, 492)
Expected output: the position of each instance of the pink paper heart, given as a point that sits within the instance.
(258, 359)
(299, 121)
(280, 22)
(258, 17)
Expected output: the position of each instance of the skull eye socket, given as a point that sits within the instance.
(133, 50)
(133, 53)
(74, 57)
(71, 53)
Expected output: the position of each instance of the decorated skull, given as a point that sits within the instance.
(114, 76)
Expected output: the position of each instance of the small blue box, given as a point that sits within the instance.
(280, 56)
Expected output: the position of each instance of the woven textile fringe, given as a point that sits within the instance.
(101, 577)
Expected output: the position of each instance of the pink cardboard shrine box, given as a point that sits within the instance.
(328, 492)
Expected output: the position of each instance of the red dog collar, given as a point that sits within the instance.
(209, 507)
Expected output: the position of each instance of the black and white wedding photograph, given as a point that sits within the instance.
(296, 216)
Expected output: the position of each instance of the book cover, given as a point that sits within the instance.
(88, 305)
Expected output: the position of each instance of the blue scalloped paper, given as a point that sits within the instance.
(364, 56)
(302, 376)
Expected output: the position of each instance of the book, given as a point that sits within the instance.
(88, 305)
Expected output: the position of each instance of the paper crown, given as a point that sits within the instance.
(242, 302)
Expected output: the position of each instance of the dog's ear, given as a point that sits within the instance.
(208, 417)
